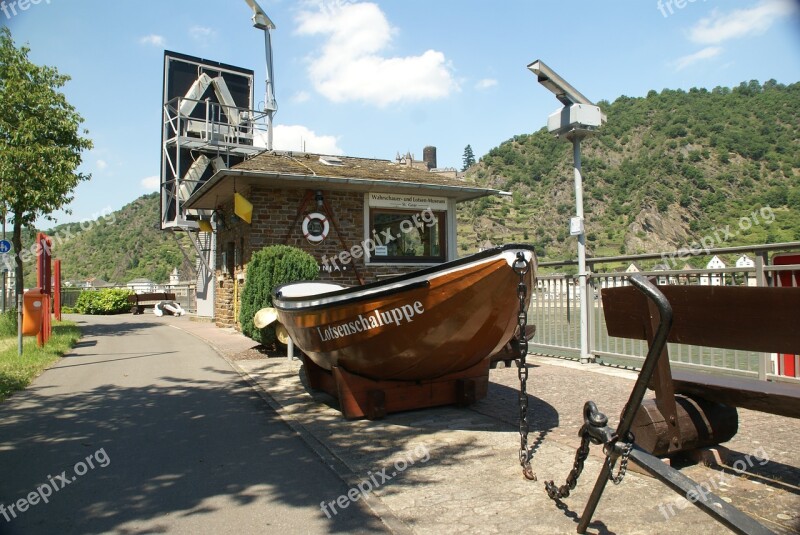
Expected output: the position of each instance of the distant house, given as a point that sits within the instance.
(174, 277)
(141, 285)
(664, 279)
(684, 279)
(95, 282)
(633, 268)
(714, 279)
(745, 261)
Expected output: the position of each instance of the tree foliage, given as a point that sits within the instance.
(268, 268)
(698, 160)
(468, 159)
(40, 141)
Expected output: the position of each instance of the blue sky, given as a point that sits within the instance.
(375, 78)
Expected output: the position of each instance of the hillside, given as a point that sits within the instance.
(124, 245)
(666, 170)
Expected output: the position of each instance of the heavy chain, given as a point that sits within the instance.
(623, 464)
(521, 267)
(557, 493)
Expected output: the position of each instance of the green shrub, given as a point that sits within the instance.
(105, 301)
(268, 268)
(8, 323)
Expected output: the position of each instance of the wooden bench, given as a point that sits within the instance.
(744, 318)
(141, 301)
(755, 319)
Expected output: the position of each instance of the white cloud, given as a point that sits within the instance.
(486, 83)
(151, 183)
(299, 138)
(720, 27)
(300, 97)
(101, 165)
(153, 40)
(202, 33)
(707, 53)
(350, 67)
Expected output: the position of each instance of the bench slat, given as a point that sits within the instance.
(751, 319)
(765, 396)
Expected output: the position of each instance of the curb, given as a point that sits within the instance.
(333, 461)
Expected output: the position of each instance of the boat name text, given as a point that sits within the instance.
(372, 320)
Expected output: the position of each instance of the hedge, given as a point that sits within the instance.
(268, 268)
(104, 301)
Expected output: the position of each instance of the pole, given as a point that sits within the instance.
(585, 356)
(19, 324)
(269, 105)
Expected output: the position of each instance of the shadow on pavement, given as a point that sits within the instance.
(171, 446)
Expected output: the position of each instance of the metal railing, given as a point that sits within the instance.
(555, 310)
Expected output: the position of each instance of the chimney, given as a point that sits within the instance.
(429, 157)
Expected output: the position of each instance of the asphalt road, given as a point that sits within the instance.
(144, 428)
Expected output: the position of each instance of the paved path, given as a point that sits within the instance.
(154, 432)
(468, 479)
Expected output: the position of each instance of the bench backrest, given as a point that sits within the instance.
(136, 298)
(729, 317)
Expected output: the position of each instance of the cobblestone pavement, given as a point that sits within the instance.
(455, 470)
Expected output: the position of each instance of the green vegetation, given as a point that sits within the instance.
(17, 372)
(666, 170)
(468, 159)
(103, 302)
(268, 268)
(8, 323)
(119, 247)
(40, 142)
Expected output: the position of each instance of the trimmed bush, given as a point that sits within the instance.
(268, 268)
(102, 302)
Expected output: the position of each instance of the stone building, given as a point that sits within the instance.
(362, 219)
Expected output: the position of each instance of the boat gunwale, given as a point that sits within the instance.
(292, 304)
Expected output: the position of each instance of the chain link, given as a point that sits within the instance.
(557, 493)
(521, 267)
(623, 464)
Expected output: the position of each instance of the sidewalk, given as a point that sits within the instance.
(455, 470)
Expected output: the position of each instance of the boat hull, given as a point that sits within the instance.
(441, 321)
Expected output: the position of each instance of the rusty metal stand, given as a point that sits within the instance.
(619, 443)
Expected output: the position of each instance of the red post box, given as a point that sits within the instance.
(33, 302)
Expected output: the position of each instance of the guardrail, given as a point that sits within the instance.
(185, 294)
(555, 310)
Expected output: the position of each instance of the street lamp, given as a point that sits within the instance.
(263, 22)
(578, 118)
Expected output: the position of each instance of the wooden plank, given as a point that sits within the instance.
(358, 395)
(766, 396)
(749, 319)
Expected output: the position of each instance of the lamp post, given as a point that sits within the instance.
(577, 119)
(263, 22)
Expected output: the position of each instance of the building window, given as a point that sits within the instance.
(407, 236)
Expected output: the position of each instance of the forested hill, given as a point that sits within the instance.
(121, 246)
(664, 171)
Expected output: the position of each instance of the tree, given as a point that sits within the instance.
(40, 143)
(469, 158)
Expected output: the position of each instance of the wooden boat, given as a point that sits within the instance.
(419, 326)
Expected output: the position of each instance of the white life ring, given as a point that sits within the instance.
(311, 227)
